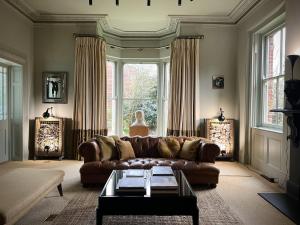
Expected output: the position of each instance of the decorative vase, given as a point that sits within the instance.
(292, 92)
(46, 114)
(221, 118)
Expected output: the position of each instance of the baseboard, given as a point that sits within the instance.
(293, 190)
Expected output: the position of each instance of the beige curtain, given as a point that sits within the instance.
(89, 116)
(184, 70)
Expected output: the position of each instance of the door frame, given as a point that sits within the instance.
(7, 132)
(14, 59)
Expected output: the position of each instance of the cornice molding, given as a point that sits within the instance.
(109, 29)
(24, 8)
(106, 28)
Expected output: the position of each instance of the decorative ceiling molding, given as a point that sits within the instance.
(24, 8)
(109, 29)
(236, 14)
(233, 17)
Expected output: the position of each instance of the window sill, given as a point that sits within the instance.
(274, 130)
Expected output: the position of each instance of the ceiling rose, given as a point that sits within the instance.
(148, 2)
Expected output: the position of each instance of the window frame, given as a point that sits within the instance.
(114, 95)
(265, 79)
(262, 78)
(118, 87)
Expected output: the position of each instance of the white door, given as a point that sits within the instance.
(4, 154)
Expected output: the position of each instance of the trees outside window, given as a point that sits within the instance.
(140, 93)
(136, 86)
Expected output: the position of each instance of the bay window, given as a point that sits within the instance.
(136, 86)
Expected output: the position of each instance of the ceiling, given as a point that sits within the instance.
(134, 17)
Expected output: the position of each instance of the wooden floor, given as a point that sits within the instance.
(238, 186)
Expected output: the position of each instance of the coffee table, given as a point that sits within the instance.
(183, 203)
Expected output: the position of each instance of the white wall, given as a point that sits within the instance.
(54, 46)
(16, 44)
(54, 50)
(260, 16)
(217, 57)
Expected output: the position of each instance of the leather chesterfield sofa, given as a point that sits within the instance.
(201, 171)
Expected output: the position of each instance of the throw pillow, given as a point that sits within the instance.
(189, 150)
(125, 150)
(168, 147)
(108, 147)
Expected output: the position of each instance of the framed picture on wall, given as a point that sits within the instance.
(218, 82)
(55, 87)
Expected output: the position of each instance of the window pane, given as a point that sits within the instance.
(150, 111)
(110, 67)
(110, 112)
(166, 99)
(5, 94)
(270, 101)
(273, 60)
(1, 94)
(283, 51)
(140, 81)
(280, 99)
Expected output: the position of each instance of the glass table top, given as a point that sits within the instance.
(109, 190)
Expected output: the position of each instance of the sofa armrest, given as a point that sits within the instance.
(208, 152)
(89, 150)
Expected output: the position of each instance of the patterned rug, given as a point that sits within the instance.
(213, 211)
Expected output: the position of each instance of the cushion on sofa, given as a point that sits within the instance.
(168, 147)
(125, 150)
(108, 147)
(189, 150)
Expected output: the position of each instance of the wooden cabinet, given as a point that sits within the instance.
(222, 134)
(49, 137)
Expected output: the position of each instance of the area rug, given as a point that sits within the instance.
(212, 211)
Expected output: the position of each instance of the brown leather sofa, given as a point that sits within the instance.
(201, 171)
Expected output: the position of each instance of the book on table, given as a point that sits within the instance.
(164, 185)
(135, 173)
(162, 171)
(131, 185)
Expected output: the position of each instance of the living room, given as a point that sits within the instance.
(139, 64)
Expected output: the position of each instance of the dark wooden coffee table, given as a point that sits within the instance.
(183, 203)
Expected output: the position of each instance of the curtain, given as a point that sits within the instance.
(184, 72)
(89, 114)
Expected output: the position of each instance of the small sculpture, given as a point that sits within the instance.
(47, 114)
(139, 119)
(221, 118)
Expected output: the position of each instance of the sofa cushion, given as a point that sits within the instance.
(168, 147)
(189, 150)
(125, 150)
(108, 147)
(144, 147)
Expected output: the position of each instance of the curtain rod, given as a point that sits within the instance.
(75, 35)
(190, 37)
(139, 48)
